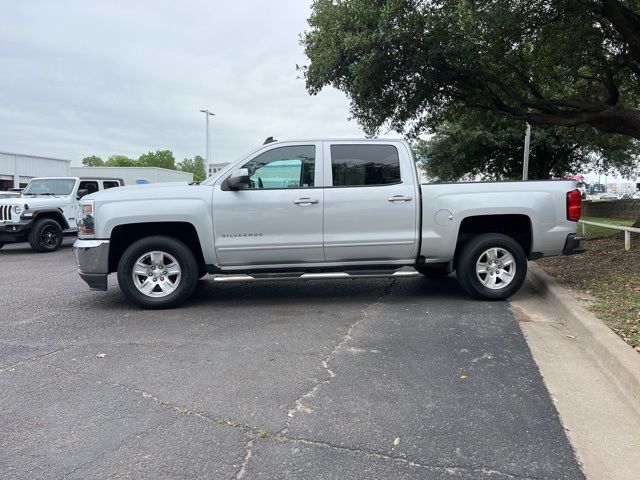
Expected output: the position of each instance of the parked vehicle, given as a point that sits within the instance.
(47, 210)
(609, 196)
(9, 194)
(322, 209)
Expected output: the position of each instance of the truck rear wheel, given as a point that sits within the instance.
(158, 272)
(491, 267)
(45, 235)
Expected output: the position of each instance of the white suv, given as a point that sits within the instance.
(47, 210)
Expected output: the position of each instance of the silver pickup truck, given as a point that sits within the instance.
(322, 209)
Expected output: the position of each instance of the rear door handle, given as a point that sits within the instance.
(399, 198)
(305, 202)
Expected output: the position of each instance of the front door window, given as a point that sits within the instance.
(283, 167)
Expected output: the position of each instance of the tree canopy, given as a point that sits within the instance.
(195, 165)
(159, 158)
(472, 143)
(92, 161)
(120, 161)
(403, 63)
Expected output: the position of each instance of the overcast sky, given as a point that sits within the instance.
(125, 77)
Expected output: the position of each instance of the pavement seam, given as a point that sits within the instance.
(299, 405)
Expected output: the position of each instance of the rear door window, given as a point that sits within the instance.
(364, 165)
(110, 184)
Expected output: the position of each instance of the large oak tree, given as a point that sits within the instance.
(401, 62)
(475, 143)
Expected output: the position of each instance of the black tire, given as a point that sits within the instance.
(45, 235)
(184, 257)
(433, 271)
(2, 244)
(471, 253)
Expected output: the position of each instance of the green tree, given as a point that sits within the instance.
(159, 158)
(120, 161)
(403, 63)
(92, 161)
(475, 143)
(195, 165)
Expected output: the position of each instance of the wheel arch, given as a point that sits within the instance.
(516, 226)
(52, 213)
(122, 236)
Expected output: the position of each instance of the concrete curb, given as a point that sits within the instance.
(609, 351)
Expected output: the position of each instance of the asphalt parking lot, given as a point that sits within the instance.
(403, 378)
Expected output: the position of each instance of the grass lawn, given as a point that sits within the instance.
(598, 231)
(609, 275)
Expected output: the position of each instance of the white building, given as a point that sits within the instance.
(16, 169)
(133, 175)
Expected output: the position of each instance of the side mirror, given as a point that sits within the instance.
(82, 192)
(239, 179)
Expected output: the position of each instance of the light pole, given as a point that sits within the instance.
(525, 162)
(208, 114)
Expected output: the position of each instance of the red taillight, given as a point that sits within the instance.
(574, 205)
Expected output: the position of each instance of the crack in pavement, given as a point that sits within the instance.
(451, 469)
(36, 357)
(120, 444)
(249, 451)
(256, 434)
(299, 405)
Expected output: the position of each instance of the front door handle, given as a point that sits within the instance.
(399, 198)
(305, 202)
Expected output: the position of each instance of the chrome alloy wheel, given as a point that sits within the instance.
(156, 274)
(496, 268)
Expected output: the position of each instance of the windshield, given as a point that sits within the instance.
(50, 186)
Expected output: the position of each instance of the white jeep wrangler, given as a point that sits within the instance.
(47, 210)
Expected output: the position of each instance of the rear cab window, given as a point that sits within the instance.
(362, 165)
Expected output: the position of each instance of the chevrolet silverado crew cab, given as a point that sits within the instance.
(321, 209)
(47, 210)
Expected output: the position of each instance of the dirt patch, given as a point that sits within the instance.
(607, 280)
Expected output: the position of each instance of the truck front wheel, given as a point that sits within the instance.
(491, 266)
(158, 272)
(45, 235)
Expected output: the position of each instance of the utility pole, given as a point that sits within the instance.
(208, 114)
(525, 163)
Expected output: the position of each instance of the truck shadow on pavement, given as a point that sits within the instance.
(339, 291)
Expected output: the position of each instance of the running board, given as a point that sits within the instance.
(312, 276)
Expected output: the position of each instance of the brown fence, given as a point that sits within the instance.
(623, 209)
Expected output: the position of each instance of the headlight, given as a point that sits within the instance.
(86, 226)
(17, 209)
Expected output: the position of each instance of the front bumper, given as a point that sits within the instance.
(14, 231)
(92, 259)
(572, 245)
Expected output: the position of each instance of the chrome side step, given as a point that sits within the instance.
(312, 276)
